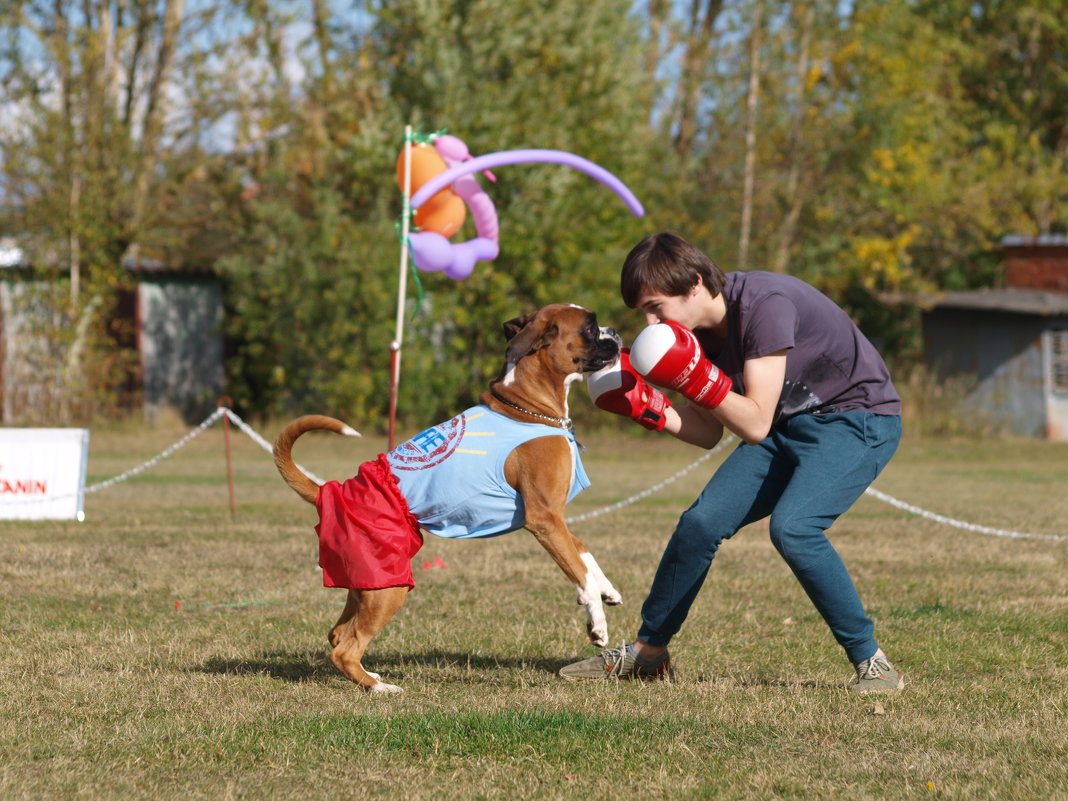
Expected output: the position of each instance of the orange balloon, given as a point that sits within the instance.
(444, 213)
(426, 163)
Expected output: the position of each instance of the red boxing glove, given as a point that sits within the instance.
(669, 355)
(618, 389)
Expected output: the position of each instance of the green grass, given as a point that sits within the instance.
(165, 650)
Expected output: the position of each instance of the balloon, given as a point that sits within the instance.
(483, 212)
(444, 212)
(454, 150)
(450, 176)
(465, 254)
(506, 157)
(431, 251)
(426, 163)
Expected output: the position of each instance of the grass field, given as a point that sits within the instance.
(164, 650)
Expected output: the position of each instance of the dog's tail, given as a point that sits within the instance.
(283, 451)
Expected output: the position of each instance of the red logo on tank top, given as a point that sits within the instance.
(430, 447)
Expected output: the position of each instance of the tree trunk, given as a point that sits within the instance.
(750, 135)
(156, 110)
(698, 42)
(794, 194)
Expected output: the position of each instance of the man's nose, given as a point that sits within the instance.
(651, 319)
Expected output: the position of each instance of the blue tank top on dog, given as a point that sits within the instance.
(452, 475)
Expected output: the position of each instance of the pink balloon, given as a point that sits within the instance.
(454, 152)
(452, 148)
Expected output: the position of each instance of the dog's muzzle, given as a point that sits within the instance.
(605, 350)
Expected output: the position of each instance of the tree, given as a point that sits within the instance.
(501, 76)
(752, 97)
(91, 92)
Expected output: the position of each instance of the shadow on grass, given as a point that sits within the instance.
(760, 680)
(314, 666)
(296, 666)
(304, 666)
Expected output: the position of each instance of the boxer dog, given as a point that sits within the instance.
(514, 453)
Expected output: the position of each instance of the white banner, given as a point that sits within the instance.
(42, 473)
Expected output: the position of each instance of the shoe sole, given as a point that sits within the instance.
(665, 676)
(869, 690)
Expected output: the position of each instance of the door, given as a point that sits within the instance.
(1055, 362)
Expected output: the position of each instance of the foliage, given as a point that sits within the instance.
(90, 146)
(325, 205)
(895, 145)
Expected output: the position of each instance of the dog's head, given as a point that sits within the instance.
(567, 335)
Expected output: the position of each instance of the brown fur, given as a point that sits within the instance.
(544, 348)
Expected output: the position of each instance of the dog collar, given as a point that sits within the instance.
(563, 422)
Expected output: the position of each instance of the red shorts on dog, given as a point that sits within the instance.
(367, 536)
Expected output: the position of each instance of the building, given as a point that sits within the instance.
(1011, 344)
(170, 320)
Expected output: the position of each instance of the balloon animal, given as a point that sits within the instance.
(443, 183)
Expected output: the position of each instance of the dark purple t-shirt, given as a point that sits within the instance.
(830, 365)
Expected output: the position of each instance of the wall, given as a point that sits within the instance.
(178, 323)
(1002, 352)
(1037, 266)
(181, 344)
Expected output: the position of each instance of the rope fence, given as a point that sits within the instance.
(234, 418)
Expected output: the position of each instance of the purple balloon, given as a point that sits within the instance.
(431, 251)
(506, 157)
(465, 254)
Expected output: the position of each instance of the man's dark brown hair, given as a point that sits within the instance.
(667, 264)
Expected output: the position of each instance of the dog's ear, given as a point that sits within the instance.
(513, 327)
(525, 335)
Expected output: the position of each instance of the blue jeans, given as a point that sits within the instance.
(807, 472)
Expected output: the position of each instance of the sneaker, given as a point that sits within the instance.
(617, 663)
(876, 675)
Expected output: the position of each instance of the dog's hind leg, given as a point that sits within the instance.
(374, 610)
(352, 606)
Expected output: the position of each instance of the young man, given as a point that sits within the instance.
(775, 361)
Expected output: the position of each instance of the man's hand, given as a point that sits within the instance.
(669, 355)
(617, 388)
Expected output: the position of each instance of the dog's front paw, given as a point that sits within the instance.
(611, 596)
(598, 635)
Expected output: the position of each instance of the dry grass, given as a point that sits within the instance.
(108, 691)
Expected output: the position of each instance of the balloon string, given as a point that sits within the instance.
(418, 283)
